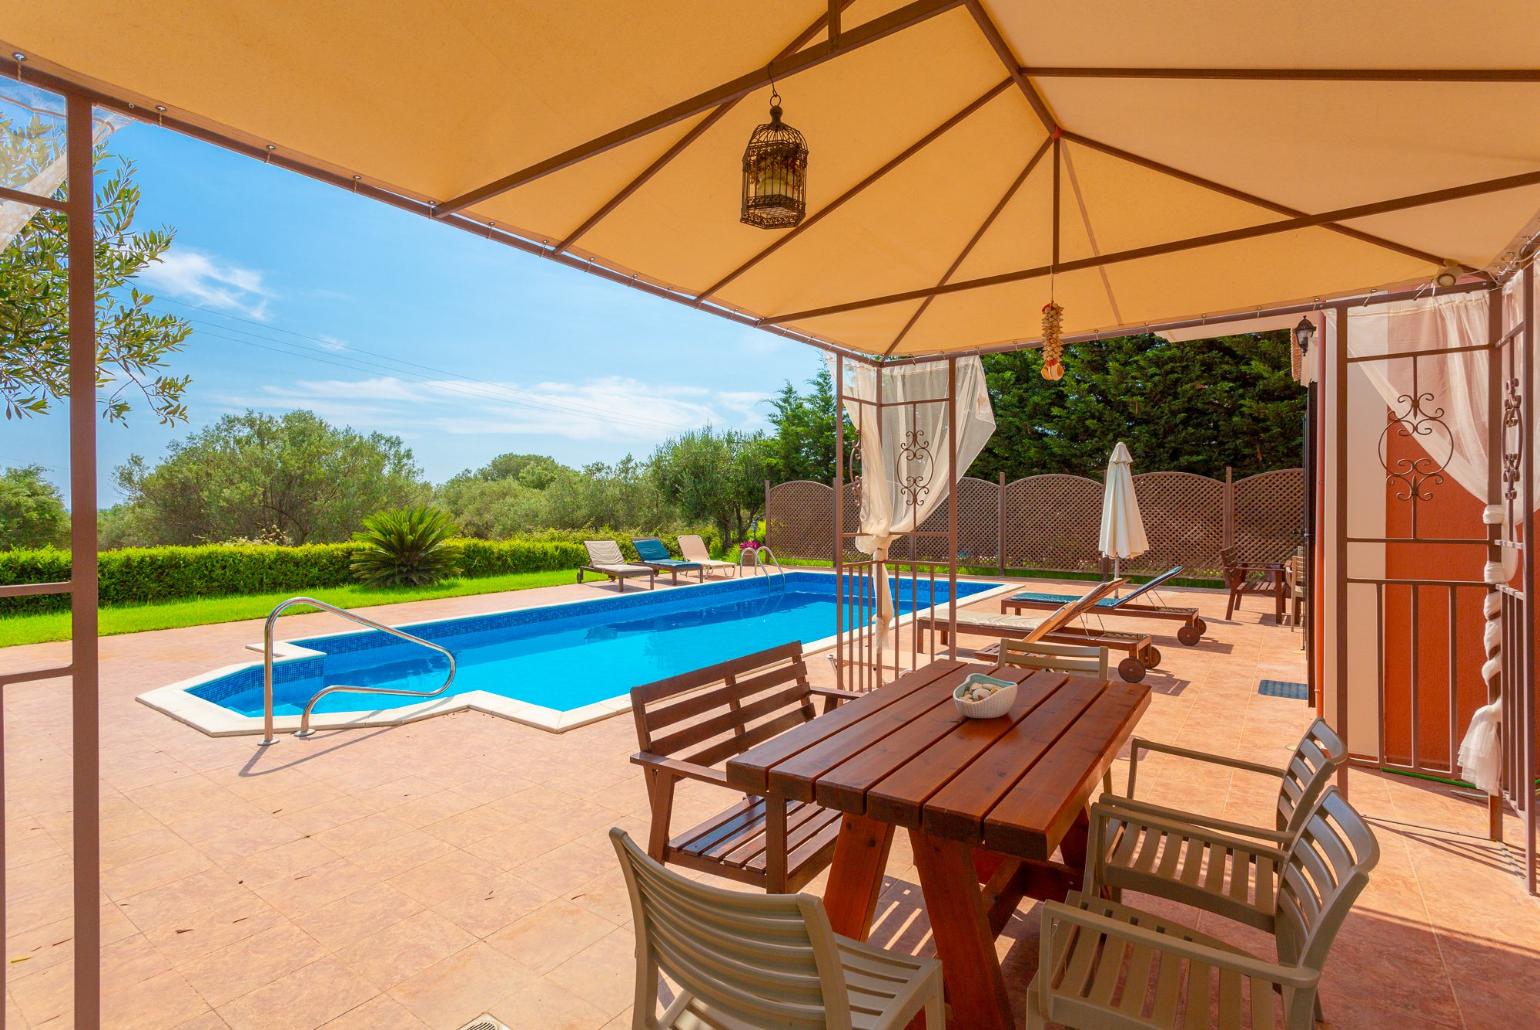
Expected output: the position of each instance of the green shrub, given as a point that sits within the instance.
(406, 547)
(143, 575)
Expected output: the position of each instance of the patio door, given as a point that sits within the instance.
(1429, 507)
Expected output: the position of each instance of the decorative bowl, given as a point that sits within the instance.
(995, 705)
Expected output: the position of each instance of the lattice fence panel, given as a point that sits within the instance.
(1051, 522)
(1269, 514)
(978, 534)
(799, 520)
(1184, 518)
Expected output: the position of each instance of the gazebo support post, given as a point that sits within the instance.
(85, 742)
(1339, 368)
(1525, 789)
(1494, 491)
(839, 523)
(951, 514)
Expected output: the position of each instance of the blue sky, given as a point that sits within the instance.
(304, 296)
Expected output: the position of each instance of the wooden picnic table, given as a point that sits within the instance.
(986, 803)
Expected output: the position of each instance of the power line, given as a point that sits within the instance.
(351, 362)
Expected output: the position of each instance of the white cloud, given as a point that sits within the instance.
(595, 409)
(200, 278)
(331, 343)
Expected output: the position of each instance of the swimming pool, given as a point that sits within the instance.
(556, 665)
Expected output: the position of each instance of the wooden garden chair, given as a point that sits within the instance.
(1242, 578)
(1316, 758)
(1103, 964)
(753, 960)
(688, 724)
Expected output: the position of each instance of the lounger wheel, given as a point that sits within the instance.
(1150, 659)
(1189, 635)
(1200, 626)
(1131, 669)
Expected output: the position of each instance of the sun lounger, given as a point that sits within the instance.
(1055, 628)
(654, 554)
(604, 558)
(1191, 631)
(694, 548)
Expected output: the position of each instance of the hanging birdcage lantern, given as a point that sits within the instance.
(1053, 341)
(774, 173)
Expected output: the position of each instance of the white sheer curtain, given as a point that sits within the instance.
(906, 448)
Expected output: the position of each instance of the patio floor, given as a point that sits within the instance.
(421, 875)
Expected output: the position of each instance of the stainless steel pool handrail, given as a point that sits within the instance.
(304, 722)
(759, 565)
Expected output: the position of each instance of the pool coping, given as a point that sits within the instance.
(177, 700)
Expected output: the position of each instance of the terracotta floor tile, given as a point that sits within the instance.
(396, 952)
(381, 1012)
(160, 1001)
(472, 981)
(225, 974)
(309, 997)
(603, 973)
(357, 916)
(551, 934)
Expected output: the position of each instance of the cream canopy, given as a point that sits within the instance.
(1137, 159)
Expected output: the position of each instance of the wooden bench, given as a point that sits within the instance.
(689, 723)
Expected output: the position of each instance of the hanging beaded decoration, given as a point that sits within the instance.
(1053, 343)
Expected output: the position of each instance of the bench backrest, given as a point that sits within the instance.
(711, 714)
(1082, 659)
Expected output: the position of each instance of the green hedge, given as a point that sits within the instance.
(140, 575)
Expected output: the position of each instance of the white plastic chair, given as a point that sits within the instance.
(761, 960)
(1107, 966)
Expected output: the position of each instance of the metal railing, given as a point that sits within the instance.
(760, 563)
(304, 722)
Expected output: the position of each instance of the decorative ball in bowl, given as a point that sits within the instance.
(984, 697)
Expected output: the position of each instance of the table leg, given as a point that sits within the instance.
(855, 875)
(959, 925)
(1076, 839)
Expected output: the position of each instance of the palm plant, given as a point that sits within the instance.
(406, 547)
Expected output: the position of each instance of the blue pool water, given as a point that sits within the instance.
(562, 656)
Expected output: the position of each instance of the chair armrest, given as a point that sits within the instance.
(841, 695)
(1197, 819)
(1295, 977)
(684, 770)
(1138, 744)
(1103, 812)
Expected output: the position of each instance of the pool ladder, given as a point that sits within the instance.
(758, 564)
(304, 721)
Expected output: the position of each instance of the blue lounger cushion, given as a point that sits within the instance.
(652, 550)
(1106, 602)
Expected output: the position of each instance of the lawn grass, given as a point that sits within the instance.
(204, 611)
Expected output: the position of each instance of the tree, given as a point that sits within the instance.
(31, 511)
(802, 445)
(536, 471)
(291, 478)
(622, 495)
(133, 343)
(715, 476)
(1193, 407)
